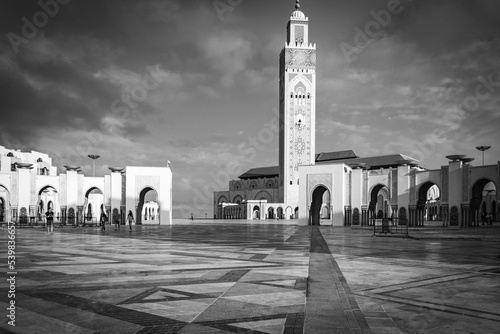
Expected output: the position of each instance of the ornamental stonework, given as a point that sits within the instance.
(302, 59)
(300, 146)
(14, 189)
(314, 180)
(144, 181)
(62, 189)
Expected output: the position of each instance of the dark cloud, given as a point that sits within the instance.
(219, 78)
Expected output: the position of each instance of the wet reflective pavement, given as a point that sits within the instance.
(243, 277)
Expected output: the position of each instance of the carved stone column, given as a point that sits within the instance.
(347, 215)
(79, 214)
(364, 215)
(412, 215)
(466, 216)
(14, 215)
(445, 214)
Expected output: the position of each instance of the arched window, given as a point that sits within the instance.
(300, 96)
(39, 160)
(10, 154)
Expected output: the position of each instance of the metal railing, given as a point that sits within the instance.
(389, 226)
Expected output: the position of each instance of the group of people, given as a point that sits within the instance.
(49, 216)
(487, 218)
(116, 220)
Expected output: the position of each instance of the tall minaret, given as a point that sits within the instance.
(297, 106)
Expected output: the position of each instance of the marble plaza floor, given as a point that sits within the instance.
(238, 277)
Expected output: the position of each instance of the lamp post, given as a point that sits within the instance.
(94, 158)
(482, 149)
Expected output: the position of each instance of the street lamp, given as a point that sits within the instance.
(482, 149)
(93, 157)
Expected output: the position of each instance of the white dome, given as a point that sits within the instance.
(298, 15)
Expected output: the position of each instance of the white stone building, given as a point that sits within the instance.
(340, 188)
(30, 185)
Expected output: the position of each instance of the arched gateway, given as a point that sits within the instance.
(319, 199)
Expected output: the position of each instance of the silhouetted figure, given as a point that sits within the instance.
(130, 218)
(49, 215)
(103, 219)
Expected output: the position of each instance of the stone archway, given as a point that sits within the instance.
(237, 199)
(148, 207)
(220, 206)
(48, 199)
(379, 197)
(4, 204)
(2, 210)
(256, 212)
(279, 213)
(94, 199)
(428, 196)
(270, 213)
(316, 204)
(480, 191)
(263, 195)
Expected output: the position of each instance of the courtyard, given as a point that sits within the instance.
(253, 277)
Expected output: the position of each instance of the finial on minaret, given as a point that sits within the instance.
(297, 5)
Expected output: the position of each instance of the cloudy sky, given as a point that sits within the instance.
(195, 81)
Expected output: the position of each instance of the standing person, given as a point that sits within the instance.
(103, 220)
(49, 216)
(130, 218)
(116, 220)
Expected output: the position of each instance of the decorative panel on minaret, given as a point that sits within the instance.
(297, 106)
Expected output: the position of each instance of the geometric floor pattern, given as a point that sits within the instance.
(239, 277)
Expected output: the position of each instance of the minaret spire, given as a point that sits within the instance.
(297, 5)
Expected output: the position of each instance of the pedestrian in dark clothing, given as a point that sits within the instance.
(103, 220)
(49, 216)
(130, 218)
(116, 220)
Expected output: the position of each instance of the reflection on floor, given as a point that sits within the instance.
(239, 277)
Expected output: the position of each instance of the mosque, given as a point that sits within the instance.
(30, 186)
(341, 188)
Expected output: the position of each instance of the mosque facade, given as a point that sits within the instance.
(30, 185)
(341, 188)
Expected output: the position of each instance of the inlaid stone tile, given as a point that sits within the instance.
(228, 278)
(271, 326)
(273, 299)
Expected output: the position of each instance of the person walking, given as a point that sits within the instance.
(103, 220)
(116, 220)
(49, 216)
(130, 218)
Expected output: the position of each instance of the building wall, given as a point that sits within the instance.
(403, 185)
(22, 188)
(157, 178)
(240, 190)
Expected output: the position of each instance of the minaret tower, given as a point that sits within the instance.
(297, 106)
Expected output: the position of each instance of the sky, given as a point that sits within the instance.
(195, 82)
